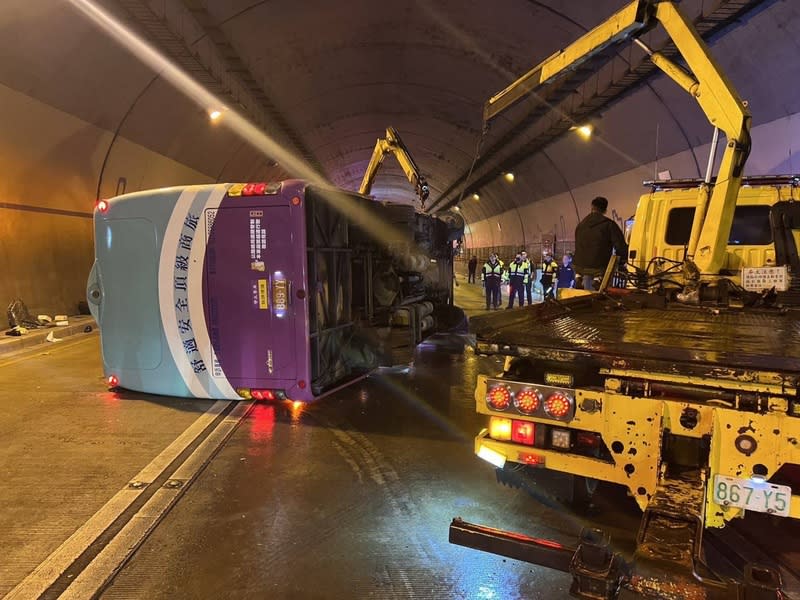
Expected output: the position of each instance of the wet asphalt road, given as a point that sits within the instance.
(348, 498)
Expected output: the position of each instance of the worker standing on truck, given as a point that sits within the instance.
(491, 274)
(517, 273)
(549, 270)
(596, 237)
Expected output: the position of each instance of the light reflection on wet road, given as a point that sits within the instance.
(352, 497)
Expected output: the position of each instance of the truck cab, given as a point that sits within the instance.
(663, 222)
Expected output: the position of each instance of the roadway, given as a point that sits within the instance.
(126, 495)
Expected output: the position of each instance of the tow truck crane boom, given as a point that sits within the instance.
(393, 144)
(704, 80)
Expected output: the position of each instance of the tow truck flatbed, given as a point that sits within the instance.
(643, 332)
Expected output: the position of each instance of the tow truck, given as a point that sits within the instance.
(680, 385)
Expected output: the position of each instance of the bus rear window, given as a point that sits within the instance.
(750, 226)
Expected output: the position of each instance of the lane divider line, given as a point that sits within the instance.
(116, 553)
(44, 575)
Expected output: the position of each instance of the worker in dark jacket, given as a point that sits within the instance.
(596, 237)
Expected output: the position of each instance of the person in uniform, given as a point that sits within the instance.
(528, 278)
(491, 274)
(517, 273)
(549, 270)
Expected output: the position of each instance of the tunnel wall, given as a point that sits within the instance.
(774, 145)
(51, 164)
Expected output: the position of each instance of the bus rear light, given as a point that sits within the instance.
(558, 405)
(113, 381)
(498, 397)
(587, 439)
(268, 395)
(102, 206)
(500, 429)
(527, 400)
(301, 384)
(522, 432)
(254, 189)
(561, 438)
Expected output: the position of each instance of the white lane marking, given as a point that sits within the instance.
(111, 559)
(43, 576)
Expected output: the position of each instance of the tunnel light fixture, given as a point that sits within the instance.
(585, 131)
(475, 196)
(509, 177)
(214, 114)
(457, 209)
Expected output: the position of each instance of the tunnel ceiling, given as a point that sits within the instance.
(326, 78)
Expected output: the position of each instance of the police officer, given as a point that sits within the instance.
(528, 278)
(517, 273)
(549, 270)
(492, 273)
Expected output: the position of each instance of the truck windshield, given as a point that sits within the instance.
(750, 226)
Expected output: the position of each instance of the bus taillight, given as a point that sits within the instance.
(102, 206)
(268, 395)
(113, 381)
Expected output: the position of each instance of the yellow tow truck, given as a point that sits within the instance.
(680, 385)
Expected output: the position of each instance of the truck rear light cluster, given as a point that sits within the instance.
(561, 438)
(542, 401)
(498, 397)
(503, 429)
(500, 429)
(527, 400)
(558, 405)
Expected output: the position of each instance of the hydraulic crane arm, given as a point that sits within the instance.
(394, 145)
(704, 80)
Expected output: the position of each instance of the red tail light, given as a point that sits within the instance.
(527, 400)
(522, 432)
(587, 439)
(113, 381)
(263, 394)
(102, 206)
(558, 405)
(498, 397)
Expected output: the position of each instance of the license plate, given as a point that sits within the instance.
(279, 294)
(744, 493)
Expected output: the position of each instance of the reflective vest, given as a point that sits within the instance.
(527, 264)
(549, 267)
(492, 271)
(518, 270)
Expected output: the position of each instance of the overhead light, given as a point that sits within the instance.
(457, 209)
(509, 177)
(475, 196)
(585, 131)
(214, 114)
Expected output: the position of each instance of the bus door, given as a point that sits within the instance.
(254, 260)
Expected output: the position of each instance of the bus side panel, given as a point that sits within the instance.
(254, 268)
